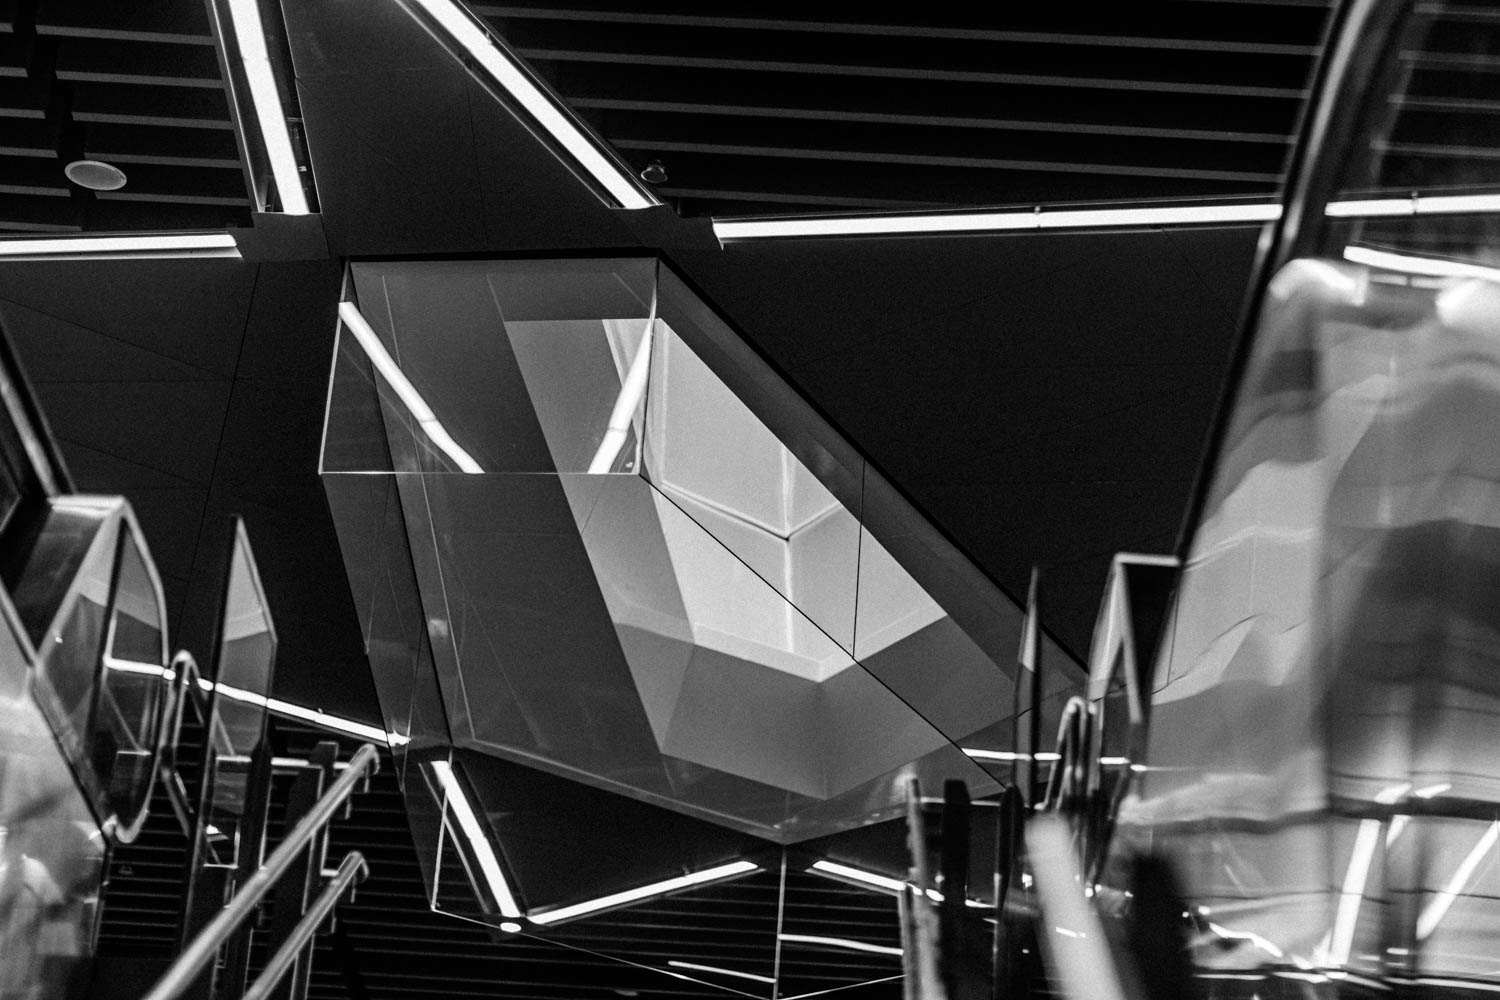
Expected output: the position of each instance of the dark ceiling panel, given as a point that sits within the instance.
(412, 156)
(758, 110)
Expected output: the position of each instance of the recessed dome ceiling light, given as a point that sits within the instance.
(95, 175)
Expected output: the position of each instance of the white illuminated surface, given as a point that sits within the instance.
(670, 885)
(405, 391)
(164, 245)
(484, 852)
(498, 66)
(251, 41)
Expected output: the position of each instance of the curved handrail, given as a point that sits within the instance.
(205, 947)
(351, 871)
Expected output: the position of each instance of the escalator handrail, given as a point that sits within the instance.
(351, 871)
(203, 949)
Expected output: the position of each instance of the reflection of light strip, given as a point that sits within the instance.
(1346, 917)
(484, 852)
(317, 718)
(1008, 755)
(882, 882)
(499, 66)
(645, 892)
(106, 247)
(410, 398)
(1435, 911)
(131, 667)
(837, 870)
(1429, 266)
(1431, 790)
(251, 40)
(833, 942)
(629, 399)
(729, 230)
(718, 971)
(1251, 937)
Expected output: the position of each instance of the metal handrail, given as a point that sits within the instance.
(351, 870)
(198, 955)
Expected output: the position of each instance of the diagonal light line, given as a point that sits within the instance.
(405, 391)
(484, 851)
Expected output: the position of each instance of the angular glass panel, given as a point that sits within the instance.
(243, 672)
(51, 849)
(647, 577)
(134, 687)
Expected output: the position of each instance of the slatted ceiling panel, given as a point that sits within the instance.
(126, 104)
(162, 64)
(28, 137)
(169, 20)
(138, 85)
(162, 145)
(773, 110)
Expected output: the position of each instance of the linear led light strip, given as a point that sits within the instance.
(501, 67)
(408, 394)
(250, 39)
(484, 851)
(717, 874)
(730, 230)
(120, 247)
(313, 715)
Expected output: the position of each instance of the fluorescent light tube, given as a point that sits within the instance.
(120, 247)
(408, 394)
(729, 230)
(250, 39)
(484, 852)
(1063, 218)
(1417, 204)
(501, 67)
(671, 885)
(833, 942)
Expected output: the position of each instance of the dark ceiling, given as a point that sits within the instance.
(755, 107)
(1043, 397)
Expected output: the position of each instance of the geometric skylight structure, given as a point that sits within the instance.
(587, 529)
